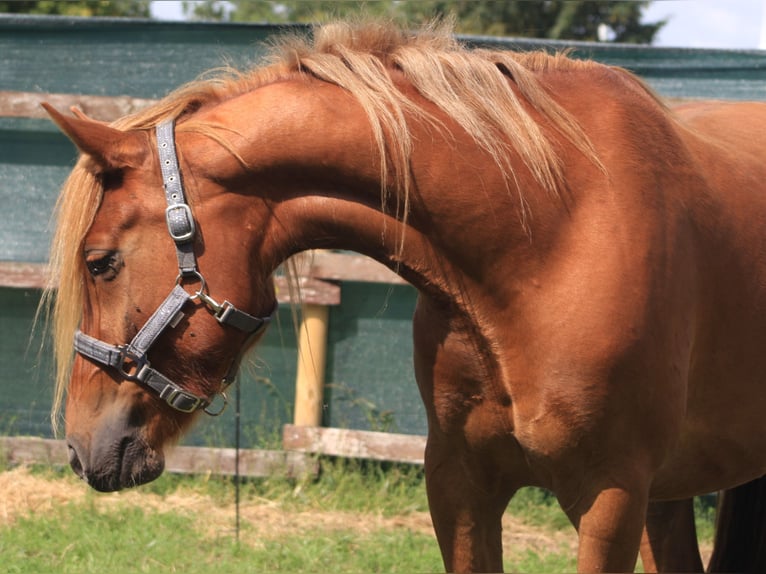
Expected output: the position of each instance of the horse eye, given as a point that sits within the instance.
(106, 263)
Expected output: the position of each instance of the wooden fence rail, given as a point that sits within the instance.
(105, 108)
(301, 445)
(354, 444)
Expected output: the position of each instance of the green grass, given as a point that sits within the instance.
(88, 537)
(539, 507)
(82, 539)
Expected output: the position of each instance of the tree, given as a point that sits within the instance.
(552, 19)
(289, 10)
(123, 8)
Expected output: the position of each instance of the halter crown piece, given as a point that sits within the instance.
(131, 360)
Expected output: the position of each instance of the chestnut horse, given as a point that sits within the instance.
(591, 269)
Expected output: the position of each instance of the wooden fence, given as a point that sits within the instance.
(301, 445)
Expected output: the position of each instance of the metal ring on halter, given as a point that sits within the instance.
(199, 294)
(222, 408)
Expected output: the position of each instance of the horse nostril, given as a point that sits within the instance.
(74, 461)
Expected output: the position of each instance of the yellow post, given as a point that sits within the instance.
(309, 380)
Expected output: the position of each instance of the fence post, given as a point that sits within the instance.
(309, 380)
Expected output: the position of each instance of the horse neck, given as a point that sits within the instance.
(300, 159)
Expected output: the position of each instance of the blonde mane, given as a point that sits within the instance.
(470, 86)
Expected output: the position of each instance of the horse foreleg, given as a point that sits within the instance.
(466, 511)
(609, 529)
(669, 543)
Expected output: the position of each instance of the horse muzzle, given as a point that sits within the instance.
(112, 463)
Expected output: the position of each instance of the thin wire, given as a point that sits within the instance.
(236, 459)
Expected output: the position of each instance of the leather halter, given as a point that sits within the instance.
(131, 360)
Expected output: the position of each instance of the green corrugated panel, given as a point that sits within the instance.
(25, 371)
(370, 380)
(101, 56)
(145, 58)
(34, 161)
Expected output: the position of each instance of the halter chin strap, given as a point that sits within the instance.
(131, 360)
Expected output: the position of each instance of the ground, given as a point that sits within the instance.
(23, 492)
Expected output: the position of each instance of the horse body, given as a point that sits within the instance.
(596, 341)
(727, 209)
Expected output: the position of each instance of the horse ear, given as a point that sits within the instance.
(110, 148)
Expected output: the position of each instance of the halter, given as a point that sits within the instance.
(131, 360)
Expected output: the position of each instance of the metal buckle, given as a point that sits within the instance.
(181, 227)
(188, 403)
(132, 367)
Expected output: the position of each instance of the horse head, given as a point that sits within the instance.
(157, 299)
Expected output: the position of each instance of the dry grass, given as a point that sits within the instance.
(23, 493)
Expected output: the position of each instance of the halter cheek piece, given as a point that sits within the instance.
(131, 360)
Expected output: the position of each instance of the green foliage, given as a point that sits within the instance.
(377, 419)
(552, 19)
(704, 513)
(114, 8)
(539, 507)
(289, 11)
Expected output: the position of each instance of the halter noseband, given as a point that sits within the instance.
(131, 360)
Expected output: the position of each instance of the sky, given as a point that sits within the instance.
(739, 24)
(710, 23)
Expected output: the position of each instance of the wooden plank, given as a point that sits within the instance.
(23, 275)
(311, 291)
(314, 287)
(354, 443)
(35, 276)
(105, 108)
(255, 463)
(351, 267)
(15, 104)
(298, 443)
(180, 459)
(33, 450)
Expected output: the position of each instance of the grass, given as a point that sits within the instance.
(85, 537)
(82, 539)
(355, 517)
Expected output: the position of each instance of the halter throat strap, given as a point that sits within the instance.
(131, 360)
